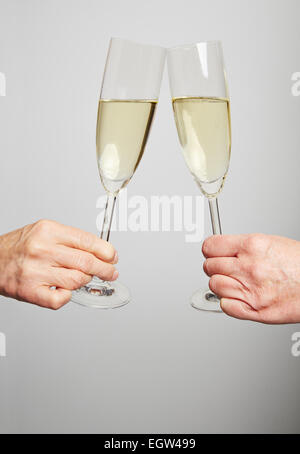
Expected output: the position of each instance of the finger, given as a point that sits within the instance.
(222, 246)
(226, 287)
(86, 241)
(85, 262)
(68, 279)
(52, 299)
(239, 309)
(221, 265)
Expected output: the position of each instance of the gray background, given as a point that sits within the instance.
(156, 365)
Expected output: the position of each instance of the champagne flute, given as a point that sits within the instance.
(129, 95)
(202, 115)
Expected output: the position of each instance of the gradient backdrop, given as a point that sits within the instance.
(156, 365)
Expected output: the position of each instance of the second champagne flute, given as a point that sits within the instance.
(128, 99)
(201, 108)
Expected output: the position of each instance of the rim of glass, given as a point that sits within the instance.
(189, 46)
(154, 46)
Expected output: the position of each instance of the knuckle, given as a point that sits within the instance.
(85, 262)
(43, 226)
(257, 271)
(30, 245)
(86, 240)
(82, 279)
(85, 279)
(256, 243)
(33, 247)
(76, 279)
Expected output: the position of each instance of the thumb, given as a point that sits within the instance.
(53, 298)
(239, 309)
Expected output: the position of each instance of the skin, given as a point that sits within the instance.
(256, 276)
(47, 254)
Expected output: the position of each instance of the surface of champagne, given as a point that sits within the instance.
(122, 131)
(203, 126)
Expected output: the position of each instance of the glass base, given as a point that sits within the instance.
(102, 295)
(205, 300)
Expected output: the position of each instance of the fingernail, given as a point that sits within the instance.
(115, 275)
(116, 258)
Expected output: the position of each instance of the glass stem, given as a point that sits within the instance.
(108, 215)
(215, 216)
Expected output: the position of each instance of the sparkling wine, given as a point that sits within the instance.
(122, 130)
(203, 126)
